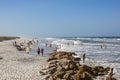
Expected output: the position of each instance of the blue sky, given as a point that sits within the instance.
(58, 18)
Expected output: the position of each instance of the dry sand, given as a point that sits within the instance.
(17, 65)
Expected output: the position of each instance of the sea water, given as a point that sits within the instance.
(99, 51)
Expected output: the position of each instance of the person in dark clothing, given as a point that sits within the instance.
(42, 51)
(14, 43)
(38, 51)
(84, 58)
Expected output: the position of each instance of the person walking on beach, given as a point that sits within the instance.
(38, 51)
(14, 43)
(42, 51)
(101, 46)
(50, 45)
(84, 58)
(27, 50)
(55, 49)
(110, 74)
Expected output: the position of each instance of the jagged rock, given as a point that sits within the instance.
(85, 76)
(99, 70)
(60, 55)
(77, 59)
(107, 69)
(111, 79)
(85, 68)
(50, 59)
(52, 70)
(53, 62)
(82, 76)
(52, 65)
(59, 74)
(64, 66)
(42, 73)
(67, 76)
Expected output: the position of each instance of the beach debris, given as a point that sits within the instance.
(64, 66)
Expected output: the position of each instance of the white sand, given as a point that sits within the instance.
(17, 65)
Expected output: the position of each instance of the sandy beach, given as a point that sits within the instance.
(17, 65)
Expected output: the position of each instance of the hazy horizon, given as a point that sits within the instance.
(60, 18)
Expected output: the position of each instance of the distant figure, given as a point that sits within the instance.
(37, 41)
(50, 45)
(105, 46)
(110, 74)
(101, 46)
(38, 51)
(33, 42)
(55, 49)
(27, 50)
(84, 58)
(42, 51)
(28, 44)
(46, 44)
(14, 43)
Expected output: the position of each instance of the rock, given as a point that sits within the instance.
(77, 59)
(85, 68)
(52, 70)
(87, 76)
(107, 69)
(60, 55)
(111, 79)
(59, 74)
(42, 73)
(52, 65)
(50, 59)
(99, 70)
(101, 73)
(114, 78)
(53, 62)
(64, 66)
(67, 76)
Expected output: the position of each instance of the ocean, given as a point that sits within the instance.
(100, 51)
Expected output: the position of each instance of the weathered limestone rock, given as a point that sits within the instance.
(64, 66)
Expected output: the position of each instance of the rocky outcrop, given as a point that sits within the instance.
(64, 66)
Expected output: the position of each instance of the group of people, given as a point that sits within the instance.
(40, 51)
(103, 46)
(26, 45)
(22, 45)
